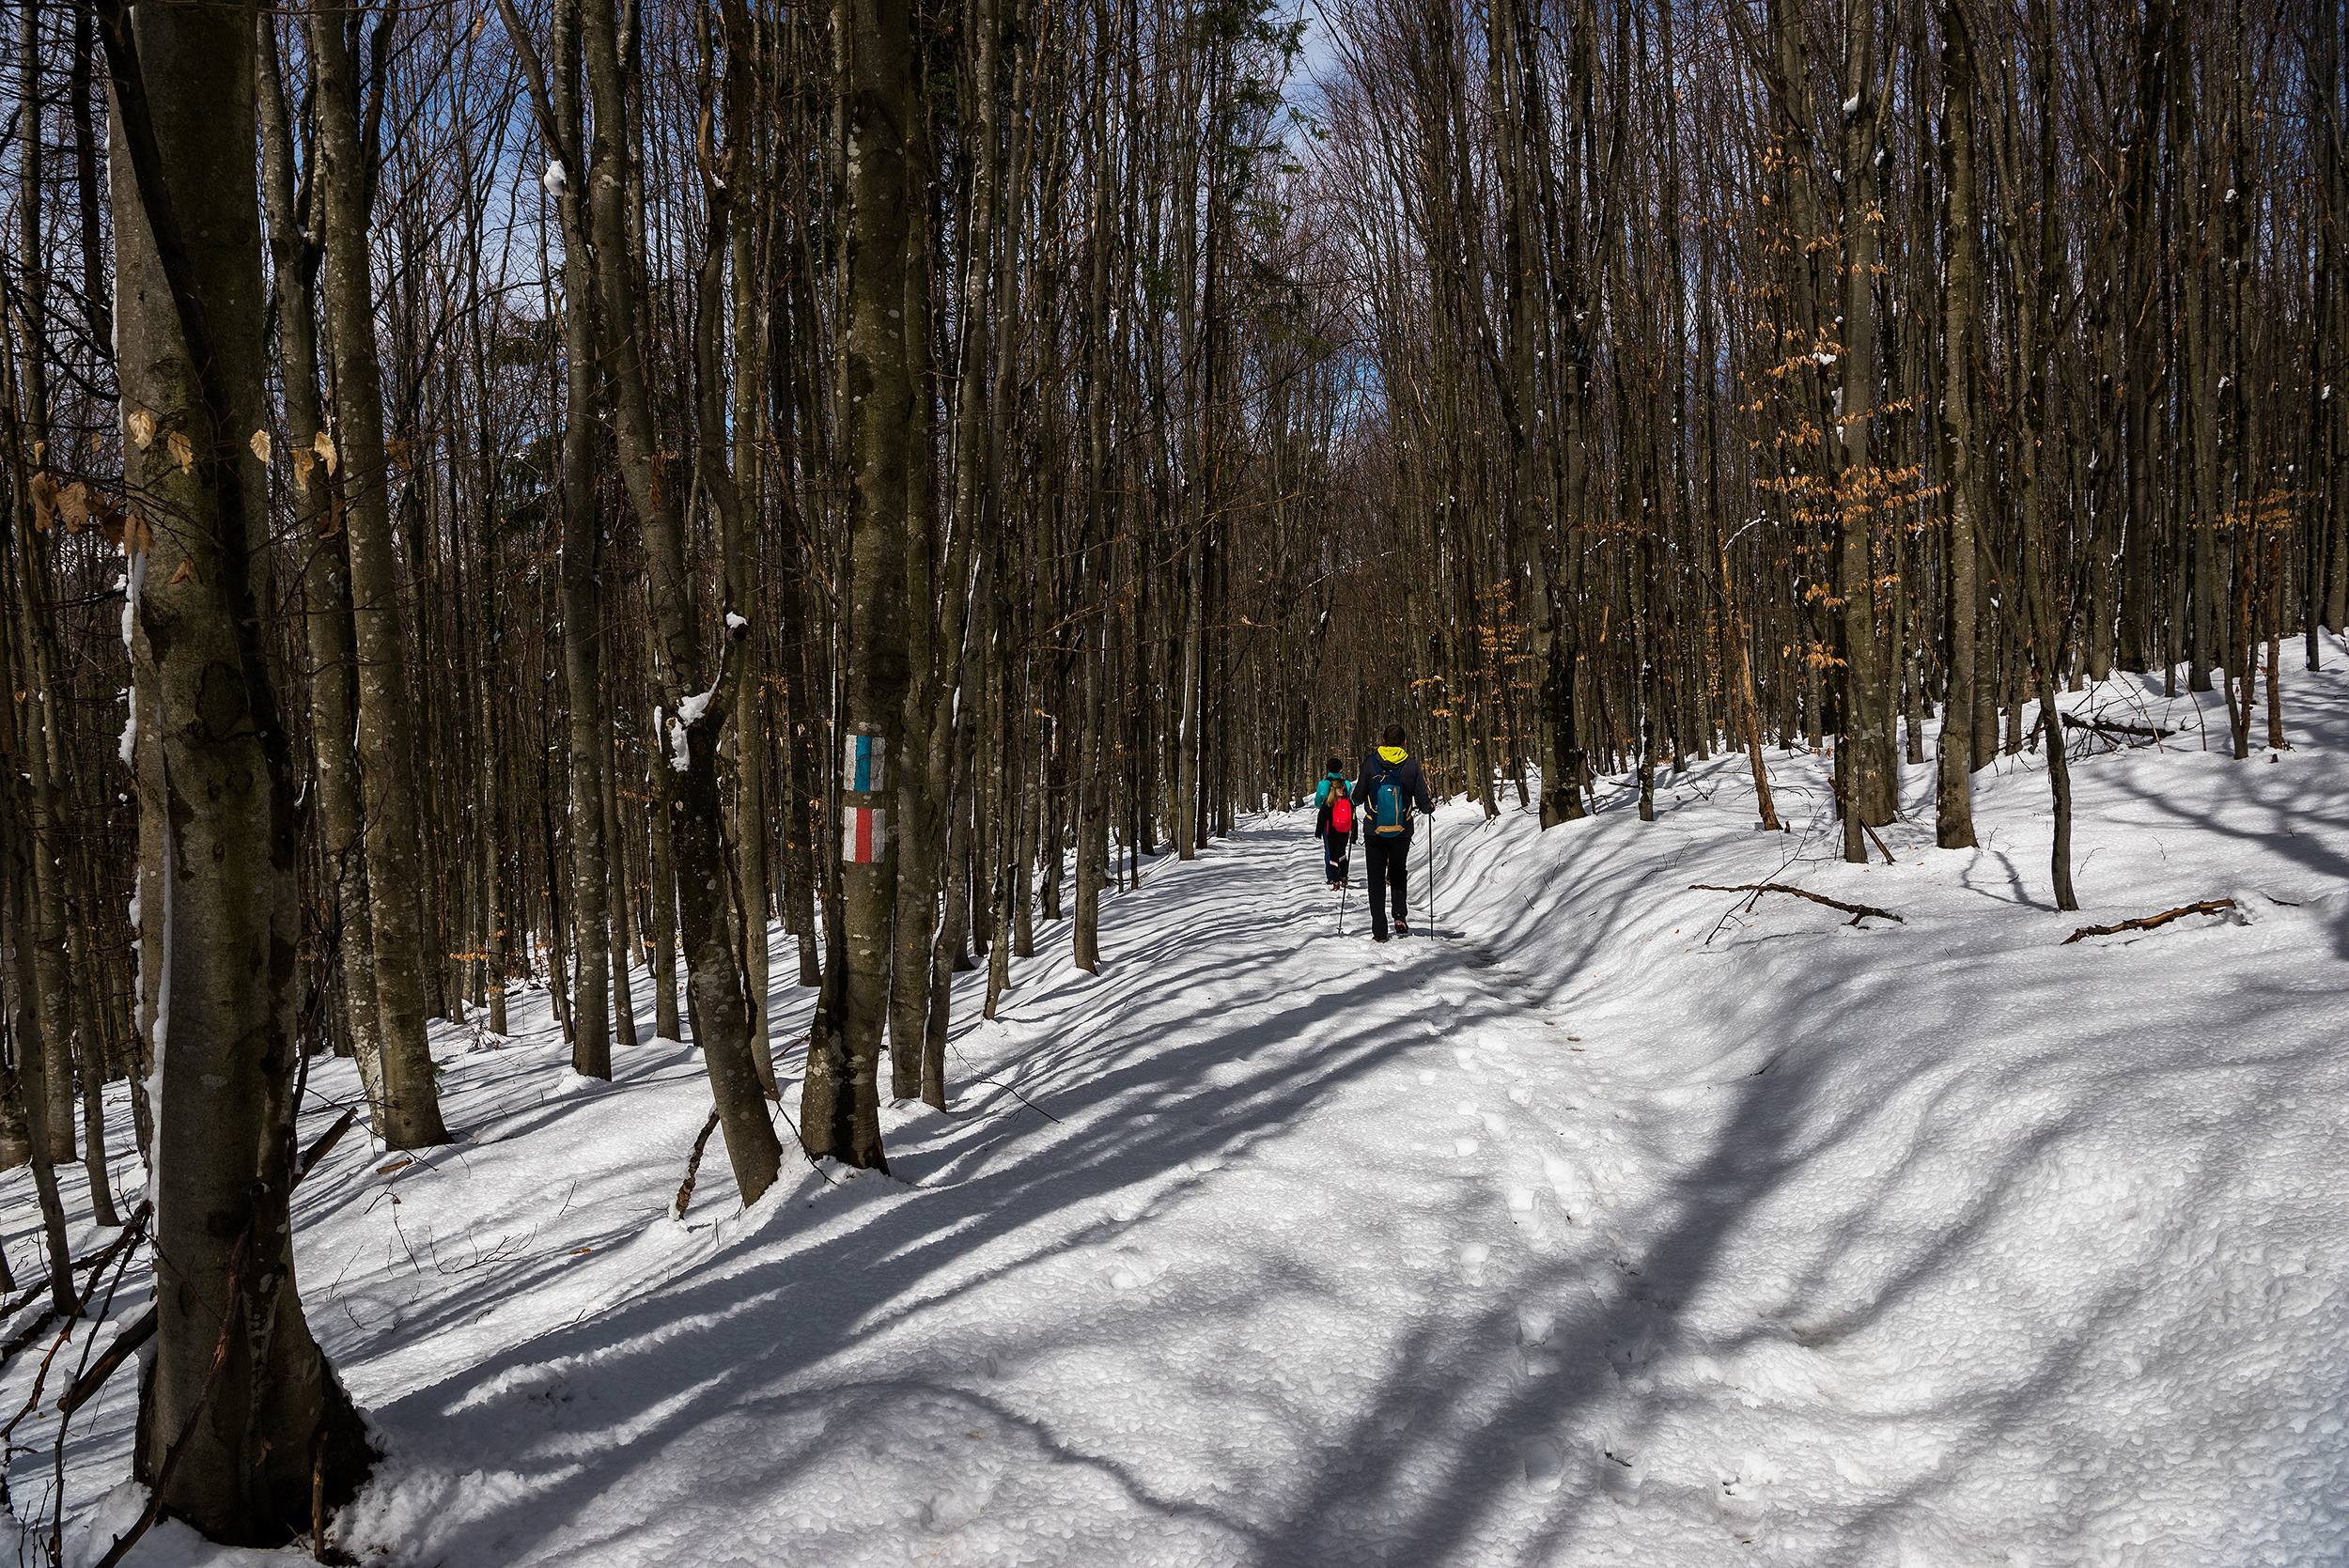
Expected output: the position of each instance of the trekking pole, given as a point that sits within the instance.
(1431, 876)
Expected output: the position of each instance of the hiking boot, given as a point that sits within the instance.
(1378, 936)
(1401, 929)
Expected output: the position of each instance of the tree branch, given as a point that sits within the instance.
(2208, 907)
(1858, 912)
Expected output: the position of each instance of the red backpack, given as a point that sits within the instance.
(1341, 813)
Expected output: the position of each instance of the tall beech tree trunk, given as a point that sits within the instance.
(1863, 753)
(294, 256)
(1954, 810)
(696, 701)
(236, 1392)
(881, 108)
(588, 732)
(396, 866)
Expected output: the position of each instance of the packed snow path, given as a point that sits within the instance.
(1570, 1236)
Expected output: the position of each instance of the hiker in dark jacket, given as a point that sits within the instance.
(1335, 844)
(1385, 819)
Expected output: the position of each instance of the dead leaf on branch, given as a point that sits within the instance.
(105, 519)
(304, 461)
(44, 493)
(142, 426)
(260, 446)
(185, 574)
(182, 451)
(324, 446)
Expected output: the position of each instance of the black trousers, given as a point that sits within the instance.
(1334, 851)
(1390, 867)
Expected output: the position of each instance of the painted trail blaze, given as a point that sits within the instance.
(862, 767)
(863, 831)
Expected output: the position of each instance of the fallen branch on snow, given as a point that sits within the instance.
(1858, 912)
(2207, 907)
(2105, 726)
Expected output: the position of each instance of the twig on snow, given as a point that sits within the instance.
(2207, 907)
(1858, 912)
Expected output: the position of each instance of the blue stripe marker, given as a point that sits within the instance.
(864, 763)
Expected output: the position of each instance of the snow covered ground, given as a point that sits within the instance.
(1616, 1222)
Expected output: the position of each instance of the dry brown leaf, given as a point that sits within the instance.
(324, 446)
(138, 534)
(108, 522)
(260, 445)
(142, 427)
(182, 451)
(185, 574)
(305, 461)
(74, 505)
(44, 492)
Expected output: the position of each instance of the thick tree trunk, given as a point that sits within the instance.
(236, 1392)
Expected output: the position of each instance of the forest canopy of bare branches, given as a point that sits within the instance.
(524, 494)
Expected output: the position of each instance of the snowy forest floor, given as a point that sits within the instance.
(1611, 1222)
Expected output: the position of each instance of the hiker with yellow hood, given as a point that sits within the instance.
(1390, 786)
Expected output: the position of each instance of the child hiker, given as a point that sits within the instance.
(1334, 823)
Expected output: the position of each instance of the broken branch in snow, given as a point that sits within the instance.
(693, 1166)
(2207, 907)
(1858, 912)
(2105, 726)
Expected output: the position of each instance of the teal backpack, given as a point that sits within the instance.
(1390, 814)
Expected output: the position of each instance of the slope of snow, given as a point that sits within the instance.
(1617, 1221)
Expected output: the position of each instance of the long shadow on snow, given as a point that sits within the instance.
(768, 1326)
(1420, 1497)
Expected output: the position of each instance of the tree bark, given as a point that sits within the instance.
(220, 917)
(387, 737)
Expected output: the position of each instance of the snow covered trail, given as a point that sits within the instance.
(1240, 1302)
(1572, 1236)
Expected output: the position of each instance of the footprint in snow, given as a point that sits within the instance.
(1544, 1466)
(1534, 1326)
(1134, 1268)
(958, 1506)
